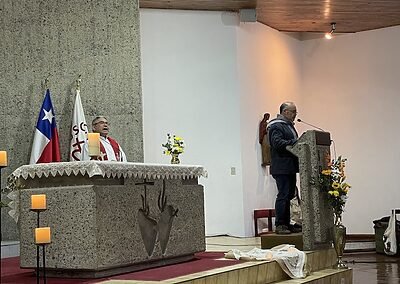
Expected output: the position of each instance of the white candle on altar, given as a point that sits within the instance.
(94, 144)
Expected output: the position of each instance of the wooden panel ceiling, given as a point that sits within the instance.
(301, 15)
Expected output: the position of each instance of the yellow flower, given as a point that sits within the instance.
(335, 185)
(326, 172)
(177, 138)
(334, 193)
(345, 186)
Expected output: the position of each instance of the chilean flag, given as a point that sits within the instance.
(46, 146)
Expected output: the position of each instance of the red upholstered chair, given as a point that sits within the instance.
(263, 213)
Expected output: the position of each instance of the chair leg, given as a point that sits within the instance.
(255, 226)
(269, 220)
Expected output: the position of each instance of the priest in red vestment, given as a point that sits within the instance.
(110, 150)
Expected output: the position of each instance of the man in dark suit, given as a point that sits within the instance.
(284, 165)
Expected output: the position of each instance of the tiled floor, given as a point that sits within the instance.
(225, 243)
(368, 268)
(371, 268)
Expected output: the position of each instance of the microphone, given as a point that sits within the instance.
(309, 124)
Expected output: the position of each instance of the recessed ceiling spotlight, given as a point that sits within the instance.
(333, 28)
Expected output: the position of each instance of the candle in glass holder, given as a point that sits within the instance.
(94, 144)
(38, 202)
(42, 236)
(3, 159)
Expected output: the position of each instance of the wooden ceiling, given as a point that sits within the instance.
(301, 15)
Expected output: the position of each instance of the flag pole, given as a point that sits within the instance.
(78, 83)
(79, 129)
(45, 84)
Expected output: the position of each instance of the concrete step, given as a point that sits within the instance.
(325, 276)
(9, 249)
(269, 241)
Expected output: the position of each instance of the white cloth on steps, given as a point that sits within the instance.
(290, 259)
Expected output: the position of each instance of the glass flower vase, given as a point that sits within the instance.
(175, 159)
(339, 240)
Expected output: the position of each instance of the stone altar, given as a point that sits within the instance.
(108, 218)
(313, 151)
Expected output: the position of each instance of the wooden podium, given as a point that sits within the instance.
(313, 151)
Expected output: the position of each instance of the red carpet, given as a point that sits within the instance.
(12, 273)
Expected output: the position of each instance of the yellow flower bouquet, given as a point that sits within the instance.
(174, 145)
(333, 182)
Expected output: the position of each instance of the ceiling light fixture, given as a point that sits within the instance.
(333, 28)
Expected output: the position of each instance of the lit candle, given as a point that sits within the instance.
(94, 144)
(3, 159)
(38, 201)
(42, 236)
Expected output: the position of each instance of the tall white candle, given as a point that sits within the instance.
(94, 144)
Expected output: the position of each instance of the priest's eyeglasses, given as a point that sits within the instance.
(102, 123)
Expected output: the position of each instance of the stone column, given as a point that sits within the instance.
(99, 40)
(313, 151)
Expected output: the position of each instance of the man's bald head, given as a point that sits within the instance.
(288, 110)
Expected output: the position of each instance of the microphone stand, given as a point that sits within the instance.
(309, 124)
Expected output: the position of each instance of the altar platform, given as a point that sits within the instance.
(207, 267)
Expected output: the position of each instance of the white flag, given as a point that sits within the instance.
(79, 145)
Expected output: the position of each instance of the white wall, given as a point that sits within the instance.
(210, 80)
(190, 89)
(269, 74)
(352, 89)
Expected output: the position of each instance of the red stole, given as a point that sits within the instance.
(114, 144)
